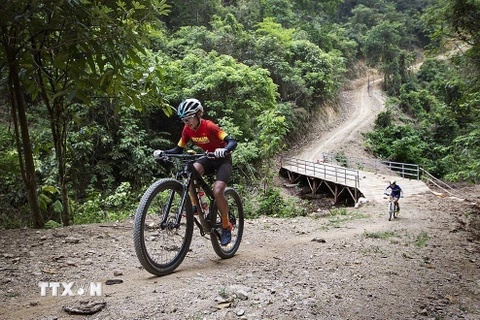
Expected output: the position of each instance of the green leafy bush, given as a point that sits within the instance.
(103, 208)
(273, 203)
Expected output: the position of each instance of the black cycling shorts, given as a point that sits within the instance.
(222, 167)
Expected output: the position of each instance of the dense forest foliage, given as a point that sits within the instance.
(88, 91)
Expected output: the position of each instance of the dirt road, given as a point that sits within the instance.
(361, 106)
(334, 264)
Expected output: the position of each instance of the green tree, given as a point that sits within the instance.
(303, 71)
(312, 8)
(193, 13)
(318, 71)
(230, 37)
(363, 15)
(226, 87)
(62, 52)
(247, 12)
(280, 10)
(463, 157)
(382, 47)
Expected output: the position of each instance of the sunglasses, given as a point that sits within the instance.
(186, 119)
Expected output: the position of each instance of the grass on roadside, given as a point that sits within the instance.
(379, 235)
(338, 216)
(422, 239)
(399, 236)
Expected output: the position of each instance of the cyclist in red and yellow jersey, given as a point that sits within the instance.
(211, 138)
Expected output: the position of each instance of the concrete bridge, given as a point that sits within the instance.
(343, 178)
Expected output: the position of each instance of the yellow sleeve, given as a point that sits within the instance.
(181, 143)
(222, 134)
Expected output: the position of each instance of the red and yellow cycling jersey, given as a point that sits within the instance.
(208, 136)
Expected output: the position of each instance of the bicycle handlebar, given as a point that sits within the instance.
(186, 156)
(388, 194)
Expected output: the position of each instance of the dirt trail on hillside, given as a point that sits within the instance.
(361, 105)
(333, 264)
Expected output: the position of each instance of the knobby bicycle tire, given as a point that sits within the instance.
(161, 250)
(236, 218)
(391, 210)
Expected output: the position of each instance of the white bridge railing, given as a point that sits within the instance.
(405, 170)
(345, 176)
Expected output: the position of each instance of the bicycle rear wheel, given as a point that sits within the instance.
(391, 210)
(236, 219)
(161, 248)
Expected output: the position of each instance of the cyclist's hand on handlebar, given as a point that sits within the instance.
(220, 152)
(158, 154)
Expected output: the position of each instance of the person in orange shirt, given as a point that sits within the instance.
(210, 138)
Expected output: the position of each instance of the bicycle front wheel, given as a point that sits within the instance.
(391, 210)
(236, 219)
(160, 242)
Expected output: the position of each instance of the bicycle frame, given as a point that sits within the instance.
(190, 177)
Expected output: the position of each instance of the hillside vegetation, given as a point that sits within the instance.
(89, 90)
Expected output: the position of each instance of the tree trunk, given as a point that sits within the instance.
(59, 133)
(60, 138)
(18, 109)
(58, 125)
(60, 148)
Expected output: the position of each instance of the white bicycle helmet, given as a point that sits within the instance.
(189, 107)
(393, 182)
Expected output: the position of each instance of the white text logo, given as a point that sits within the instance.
(70, 289)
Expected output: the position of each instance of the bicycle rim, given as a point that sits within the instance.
(236, 219)
(159, 249)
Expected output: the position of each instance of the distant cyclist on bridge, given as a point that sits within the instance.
(211, 138)
(395, 193)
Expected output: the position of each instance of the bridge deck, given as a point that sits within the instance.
(357, 183)
(374, 184)
(336, 178)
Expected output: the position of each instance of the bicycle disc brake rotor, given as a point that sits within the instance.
(171, 226)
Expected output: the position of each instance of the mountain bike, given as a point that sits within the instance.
(392, 208)
(164, 221)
